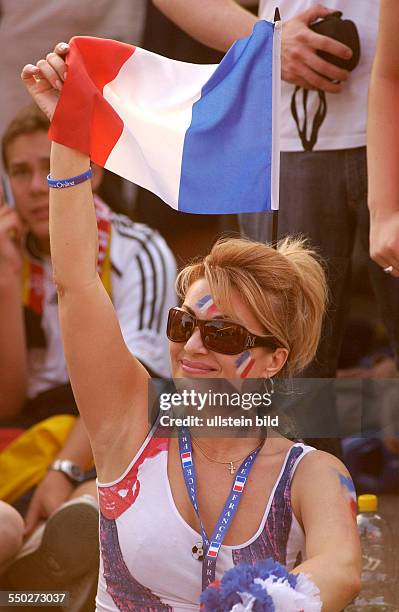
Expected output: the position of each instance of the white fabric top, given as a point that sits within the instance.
(345, 124)
(143, 272)
(146, 545)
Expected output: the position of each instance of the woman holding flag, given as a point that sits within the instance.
(248, 311)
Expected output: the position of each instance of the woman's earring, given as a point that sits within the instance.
(269, 385)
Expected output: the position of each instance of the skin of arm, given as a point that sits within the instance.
(219, 23)
(13, 355)
(109, 384)
(321, 501)
(56, 488)
(105, 376)
(206, 21)
(383, 142)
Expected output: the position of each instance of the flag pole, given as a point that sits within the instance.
(275, 212)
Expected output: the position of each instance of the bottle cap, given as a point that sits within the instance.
(367, 503)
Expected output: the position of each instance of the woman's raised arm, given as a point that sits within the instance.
(109, 384)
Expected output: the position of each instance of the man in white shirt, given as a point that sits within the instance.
(323, 193)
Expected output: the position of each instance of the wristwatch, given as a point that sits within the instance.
(71, 470)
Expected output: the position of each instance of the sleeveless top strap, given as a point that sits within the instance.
(273, 540)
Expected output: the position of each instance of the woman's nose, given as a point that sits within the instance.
(194, 344)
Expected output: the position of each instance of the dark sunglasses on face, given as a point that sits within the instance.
(218, 335)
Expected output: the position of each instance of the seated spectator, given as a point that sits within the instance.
(11, 529)
(138, 271)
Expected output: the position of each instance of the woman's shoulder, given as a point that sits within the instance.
(318, 461)
(316, 474)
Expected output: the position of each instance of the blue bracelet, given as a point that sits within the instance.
(70, 182)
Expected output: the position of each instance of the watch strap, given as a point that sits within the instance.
(71, 470)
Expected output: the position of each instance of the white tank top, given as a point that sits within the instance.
(147, 563)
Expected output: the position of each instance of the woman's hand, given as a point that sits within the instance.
(384, 240)
(44, 81)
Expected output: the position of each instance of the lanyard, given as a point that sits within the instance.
(212, 546)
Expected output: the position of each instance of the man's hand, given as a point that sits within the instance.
(44, 81)
(52, 492)
(384, 239)
(300, 63)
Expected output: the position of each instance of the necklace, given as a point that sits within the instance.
(231, 463)
(209, 550)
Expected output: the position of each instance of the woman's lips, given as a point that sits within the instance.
(196, 367)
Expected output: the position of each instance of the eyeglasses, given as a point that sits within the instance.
(219, 335)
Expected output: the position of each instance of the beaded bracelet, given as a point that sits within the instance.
(70, 182)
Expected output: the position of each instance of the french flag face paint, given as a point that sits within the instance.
(244, 364)
(207, 306)
(349, 487)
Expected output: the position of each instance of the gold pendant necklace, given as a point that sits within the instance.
(231, 463)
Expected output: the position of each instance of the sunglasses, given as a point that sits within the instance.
(218, 335)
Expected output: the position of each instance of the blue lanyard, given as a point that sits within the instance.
(212, 546)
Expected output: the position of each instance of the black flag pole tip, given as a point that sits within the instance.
(277, 15)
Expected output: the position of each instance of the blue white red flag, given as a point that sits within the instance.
(239, 484)
(204, 138)
(186, 459)
(213, 549)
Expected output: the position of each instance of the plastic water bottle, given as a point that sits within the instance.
(377, 571)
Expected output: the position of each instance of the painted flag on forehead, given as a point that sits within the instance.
(204, 138)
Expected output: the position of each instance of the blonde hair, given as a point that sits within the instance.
(285, 287)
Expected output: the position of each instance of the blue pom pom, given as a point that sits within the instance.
(240, 579)
(210, 599)
(237, 578)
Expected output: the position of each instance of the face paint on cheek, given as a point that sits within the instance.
(244, 364)
(350, 492)
(207, 306)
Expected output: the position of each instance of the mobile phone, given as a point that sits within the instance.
(7, 191)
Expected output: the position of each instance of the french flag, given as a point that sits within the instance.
(206, 304)
(213, 549)
(239, 484)
(244, 364)
(186, 459)
(204, 138)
